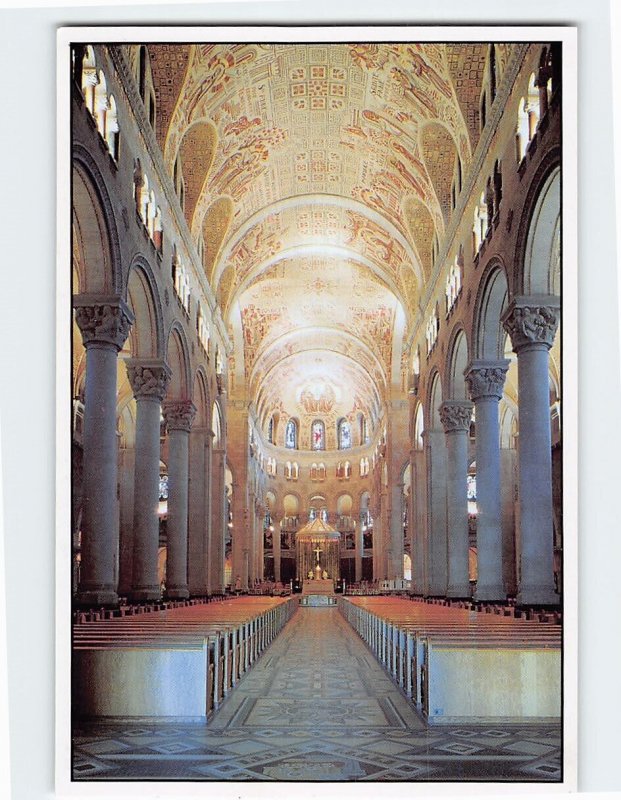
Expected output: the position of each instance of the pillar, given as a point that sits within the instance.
(218, 521)
(149, 380)
(104, 323)
(437, 550)
(395, 558)
(179, 415)
(456, 416)
(485, 381)
(359, 550)
(197, 518)
(532, 323)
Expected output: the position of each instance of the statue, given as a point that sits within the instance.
(324, 575)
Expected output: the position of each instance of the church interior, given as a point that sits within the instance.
(317, 526)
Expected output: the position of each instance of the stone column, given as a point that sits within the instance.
(456, 416)
(197, 519)
(485, 380)
(179, 415)
(359, 545)
(149, 381)
(276, 541)
(395, 559)
(104, 323)
(218, 521)
(419, 522)
(437, 548)
(532, 323)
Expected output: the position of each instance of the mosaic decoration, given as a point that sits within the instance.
(317, 175)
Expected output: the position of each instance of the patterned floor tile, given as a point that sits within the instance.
(316, 707)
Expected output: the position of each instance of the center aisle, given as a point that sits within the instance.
(317, 706)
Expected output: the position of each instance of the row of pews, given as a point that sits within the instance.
(180, 662)
(463, 666)
(125, 609)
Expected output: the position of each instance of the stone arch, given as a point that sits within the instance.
(215, 226)
(418, 427)
(94, 226)
(493, 298)
(200, 398)
(435, 400)
(344, 504)
(291, 504)
(541, 258)
(457, 362)
(197, 149)
(146, 336)
(539, 230)
(179, 362)
(217, 424)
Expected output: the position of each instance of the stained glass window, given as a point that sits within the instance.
(318, 435)
(344, 434)
(291, 435)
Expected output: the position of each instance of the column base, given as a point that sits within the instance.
(145, 594)
(537, 596)
(490, 594)
(177, 593)
(200, 591)
(459, 592)
(97, 597)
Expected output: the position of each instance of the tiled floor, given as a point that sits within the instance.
(316, 707)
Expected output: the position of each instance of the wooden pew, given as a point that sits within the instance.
(461, 666)
(181, 662)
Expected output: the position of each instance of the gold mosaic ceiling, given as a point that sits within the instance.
(317, 175)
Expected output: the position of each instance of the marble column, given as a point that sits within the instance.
(179, 415)
(276, 541)
(532, 323)
(149, 381)
(437, 546)
(359, 545)
(419, 522)
(395, 559)
(455, 416)
(104, 323)
(219, 520)
(197, 519)
(485, 381)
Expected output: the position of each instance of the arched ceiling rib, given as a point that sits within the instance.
(336, 161)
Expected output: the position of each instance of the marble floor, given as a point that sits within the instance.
(317, 706)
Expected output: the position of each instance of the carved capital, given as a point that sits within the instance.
(103, 320)
(148, 378)
(486, 378)
(179, 414)
(456, 415)
(532, 320)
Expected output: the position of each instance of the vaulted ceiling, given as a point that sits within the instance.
(318, 176)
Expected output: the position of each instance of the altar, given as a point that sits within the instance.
(318, 552)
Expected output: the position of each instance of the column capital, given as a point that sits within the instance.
(532, 321)
(179, 414)
(456, 415)
(148, 377)
(103, 319)
(486, 379)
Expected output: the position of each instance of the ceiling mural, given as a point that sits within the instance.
(328, 170)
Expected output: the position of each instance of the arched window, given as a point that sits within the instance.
(142, 72)
(318, 435)
(528, 118)
(339, 470)
(364, 433)
(89, 78)
(480, 226)
(362, 467)
(344, 434)
(295, 471)
(288, 470)
(321, 472)
(347, 470)
(270, 429)
(313, 472)
(112, 129)
(432, 330)
(291, 435)
(203, 332)
(453, 286)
